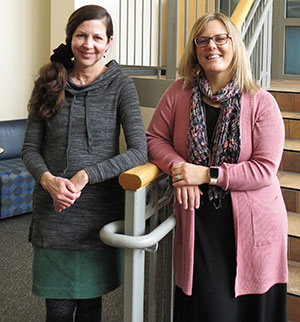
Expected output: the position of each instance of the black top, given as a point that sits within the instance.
(212, 115)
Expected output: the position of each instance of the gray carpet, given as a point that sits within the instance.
(17, 304)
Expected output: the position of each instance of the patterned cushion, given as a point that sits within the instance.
(16, 188)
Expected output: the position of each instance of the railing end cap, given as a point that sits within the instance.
(138, 177)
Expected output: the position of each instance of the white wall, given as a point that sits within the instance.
(25, 42)
(60, 12)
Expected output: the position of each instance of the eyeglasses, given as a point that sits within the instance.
(219, 40)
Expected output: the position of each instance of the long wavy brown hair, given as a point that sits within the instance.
(48, 96)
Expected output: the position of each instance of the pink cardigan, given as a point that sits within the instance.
(260, 218)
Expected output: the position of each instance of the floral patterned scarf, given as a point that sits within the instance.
(226, 141)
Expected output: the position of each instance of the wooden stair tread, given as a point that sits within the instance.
(289, 180)
(294, 224)
(290, 115)
(293, 286)
(280, 85)
(292, 145)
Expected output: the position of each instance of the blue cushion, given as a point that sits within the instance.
(16, 188)
(11, 138)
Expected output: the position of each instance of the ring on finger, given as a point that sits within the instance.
(178, 177)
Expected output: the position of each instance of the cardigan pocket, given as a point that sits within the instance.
(266, 221)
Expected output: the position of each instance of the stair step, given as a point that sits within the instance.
(291, 156)
(290, 187)
(294, 224)
(293, 308)
(292, 124)
(291, 199)
(294, 237)
(292, 145)
(287, 101)
(290, 115)
(293, 286)
(285, 85)
(289, 180)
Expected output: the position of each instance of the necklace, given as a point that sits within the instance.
(89, 79)
(81, 81)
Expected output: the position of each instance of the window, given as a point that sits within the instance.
(286, 35)
(292, 51)
(293, 8)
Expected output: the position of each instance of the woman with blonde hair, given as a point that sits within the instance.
(211, 132)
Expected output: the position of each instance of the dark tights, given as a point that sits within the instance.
(87, 310)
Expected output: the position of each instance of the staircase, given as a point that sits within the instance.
(287, 94)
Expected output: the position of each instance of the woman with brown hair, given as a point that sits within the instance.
(71, 148)
(212, 132)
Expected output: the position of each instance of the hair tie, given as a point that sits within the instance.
(62, 54)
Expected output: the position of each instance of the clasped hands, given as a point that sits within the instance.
(186, 179)
(64, 192)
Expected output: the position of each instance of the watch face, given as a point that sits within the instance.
(214, 173)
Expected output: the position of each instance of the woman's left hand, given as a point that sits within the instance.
(80, 180)
(189, 196)
(185, 173)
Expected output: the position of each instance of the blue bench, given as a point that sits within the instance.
(16, 183)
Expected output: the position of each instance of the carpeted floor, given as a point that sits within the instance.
(17, 304)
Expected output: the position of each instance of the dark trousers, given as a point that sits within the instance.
(87, 310)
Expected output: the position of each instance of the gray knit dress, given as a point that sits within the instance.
(84, 135)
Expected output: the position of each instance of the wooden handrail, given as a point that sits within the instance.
(240, 12)
(140, 176)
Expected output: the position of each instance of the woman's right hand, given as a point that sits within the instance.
(189, 196)
(62, 190)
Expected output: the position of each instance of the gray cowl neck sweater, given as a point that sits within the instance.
(85, 135)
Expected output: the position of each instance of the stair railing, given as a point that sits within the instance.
(149, 221)
(254, 19)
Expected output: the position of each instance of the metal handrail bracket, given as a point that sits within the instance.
(112, 234)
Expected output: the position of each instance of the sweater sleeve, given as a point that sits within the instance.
(160, 133)
(32, 147)
(136, 154)
(267, 146)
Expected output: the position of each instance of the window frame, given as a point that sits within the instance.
(280, 22)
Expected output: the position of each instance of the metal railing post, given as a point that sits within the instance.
(152, 270)
(134, 261)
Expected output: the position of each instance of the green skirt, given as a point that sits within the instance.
(73, 274)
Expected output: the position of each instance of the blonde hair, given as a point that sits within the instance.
(189, 66)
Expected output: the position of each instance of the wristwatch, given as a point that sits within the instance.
(213, 175)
